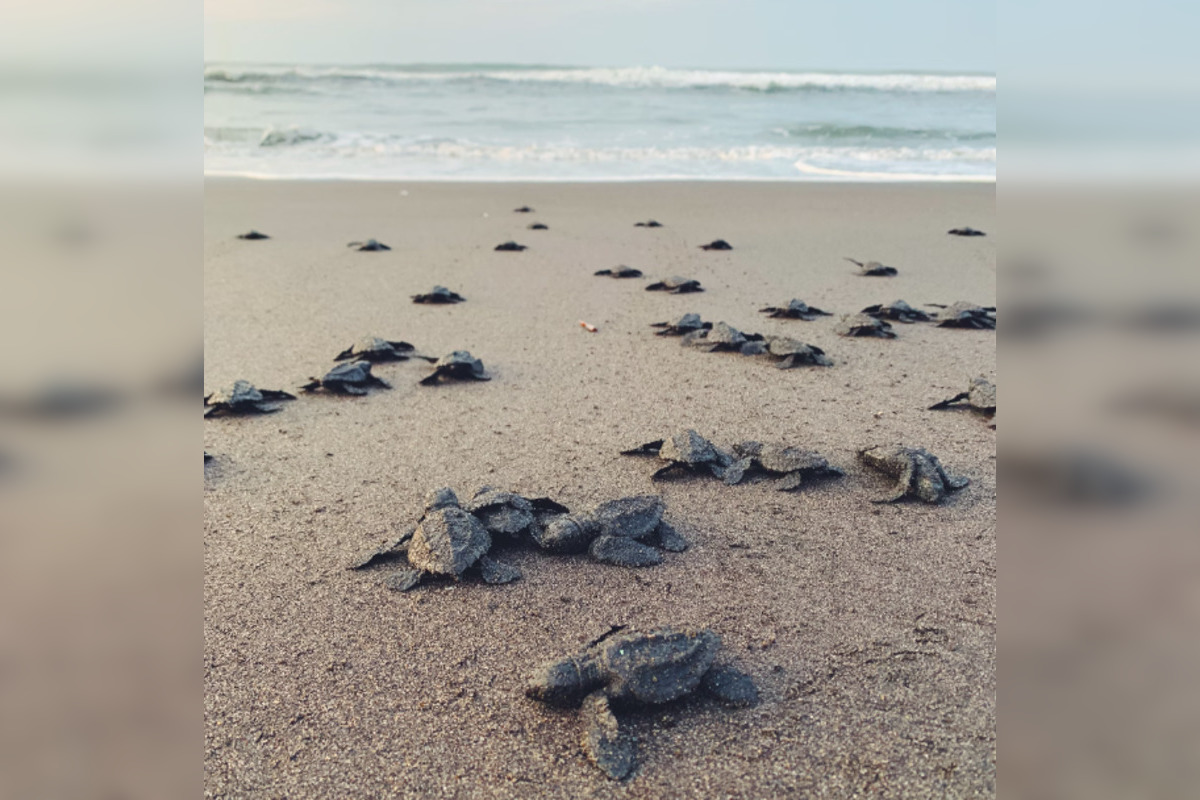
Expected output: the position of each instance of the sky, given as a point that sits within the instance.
(941, 35)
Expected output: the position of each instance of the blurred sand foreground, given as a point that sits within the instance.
(870, 630)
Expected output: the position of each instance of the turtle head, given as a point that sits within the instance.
(561, 683)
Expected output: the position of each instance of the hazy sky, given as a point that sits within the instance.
(831, 34)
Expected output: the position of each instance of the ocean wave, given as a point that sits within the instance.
(617, 77)
(821, 131)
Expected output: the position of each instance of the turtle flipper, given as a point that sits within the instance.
(431, 379)
(663, 472)
(380, 382)
(497, 571)
(214, 411)
(947, 403)
(403, 580)
(647, 449)
(385, 551)
(276, 394)
(609, 749)
(731, 686)
(312, 385)
(346, 388)
(734, 473)
(342, 356)
(656, 287)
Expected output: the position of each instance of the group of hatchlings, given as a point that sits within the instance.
(626, 667)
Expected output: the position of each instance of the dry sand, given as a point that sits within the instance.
(870, 630)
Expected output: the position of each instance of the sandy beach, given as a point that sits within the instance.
(869, 629)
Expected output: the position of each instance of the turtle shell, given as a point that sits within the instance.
(657, 666)
(501, 512)
(448, 541)
(688, 447)
(240, 392)
(629, 517)
(352, 372)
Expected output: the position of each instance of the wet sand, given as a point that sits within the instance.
(869, 629)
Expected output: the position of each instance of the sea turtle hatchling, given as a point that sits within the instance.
(864, 325)
(438, 295)
(965, 231)
(897, 311)
(792, 465)
(918, 473)
(242, 397)
(628, 532)
(539, 226)
(634, 668)
(620, 272)
(980, 396)
(717, 244)
(874, 268)
(793, 353)
(651, 223)
(687, 451)
(795, 309)
(724, 338)
(369, 246)
(253, 236)
(376, 350)
(459, 365)
(438, 498)
(682, 326)
(522, 210)
(352, 378)
(448, 541)
(965, 315)
(676, 285)
(509, 247)
(511, 515)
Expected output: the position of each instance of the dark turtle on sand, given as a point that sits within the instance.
(633, 668)
(509, 514)
(965, 232)
(629, 532)
(897, 311)
(965, 315)
(448, 541)
(376, 350)
(651, 223)
(724, 338)
(253, 236)
(676, 285)
(242, 397)
(438, 295)
(348, 378)
(682, 326)
(790, 464)
(537, 226)
(686, 450)
(717, 244)
(874, 268)
(369, 246)
(864, 325)
(980, 396)
(620, 272)
(795, 353)
(459, 365)
(918, 473)
(510, 247)
(438, 498)
(795, 309)
(522, 210)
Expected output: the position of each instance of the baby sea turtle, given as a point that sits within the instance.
(522, 210)
(682, 326)
(965, 232)
(510, 515)
(724, 338)
(459, 365)
(434, 500)
(449, 541)
(636, 668)
(369, 246)
(629, 532)
(965, 315)
(795, 309)
(510, 247)
(874, 268)
(376, 350)
(438, 295)
(648, 224)
(620, 272)
(864, 325)
(795, 353)
(686, 450)
(918, 472)
(347, 378)
(675, 285)
(717, 244)
(980, 396)
(790, 464)
(537, 226)
(253, 236)
(898, 311)
(241, 397)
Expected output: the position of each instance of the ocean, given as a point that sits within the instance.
(520, 122)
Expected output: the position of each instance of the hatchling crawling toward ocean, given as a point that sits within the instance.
(438, 295)
(795, 309)
(724, 338)
(790, 353)
(619, 272)
(980, 397)
(791, 465)
(685, 451)
(966, 315)
(917, 471)
(682, 326)
(353, 378)
(376, 350)
(874, 268)
(459, 365)
(897, 311)
(676, 285)
(628, 532)
(635, 668)
(242, 397)
(864, 325)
